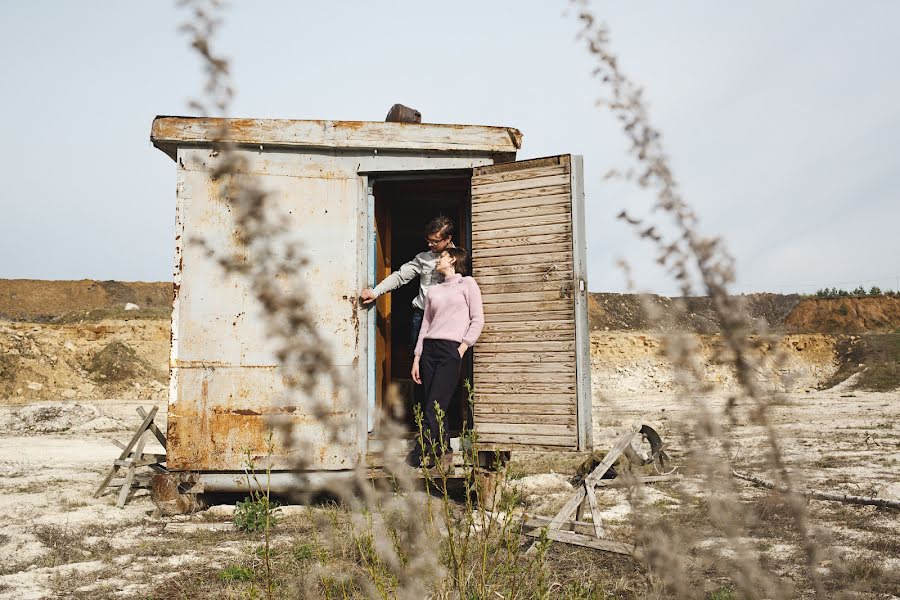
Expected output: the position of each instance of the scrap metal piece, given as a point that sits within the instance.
(403, 114)
(639, 456)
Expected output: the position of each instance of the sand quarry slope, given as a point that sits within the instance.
(68, 339)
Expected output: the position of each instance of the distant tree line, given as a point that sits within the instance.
(859, 291)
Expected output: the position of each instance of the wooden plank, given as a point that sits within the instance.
(554, 315)
(529, 420)
(138, 481)
(546, 260)
(559, 209)
(532, 521)
(528, 249)
(530, 163)
(524, 377)
(577, 539)
(523, 336)
(527, 387)
(554, 346)
(486, 368)
(528, 271)
(504, 221)
(538, 399)
(538, 277)
(524, 409)
(488, 297)
(160, 437)
(645, 479)
(501, 446)
(519, 174)
(168, 131)
(529, 307)
(129, 473)
(524, 357)
(499, 233)
(145, 461)
(141, 461)
(507, 441)
(134, 440)
(595, 510)
(560, 238)
(548, 196)
(528, 326)
(520, 184)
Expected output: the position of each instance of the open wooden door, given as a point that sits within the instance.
(532, 363)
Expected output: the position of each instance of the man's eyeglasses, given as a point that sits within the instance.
(432, 242)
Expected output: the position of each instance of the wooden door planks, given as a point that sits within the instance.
(522, 257)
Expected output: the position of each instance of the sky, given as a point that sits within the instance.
(782, 119)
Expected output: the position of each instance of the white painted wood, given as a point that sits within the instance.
(169, 132)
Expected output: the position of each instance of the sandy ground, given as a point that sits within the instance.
(58, 541)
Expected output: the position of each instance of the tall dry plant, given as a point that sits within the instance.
(405, 550)
(698, 262)
(394, 528)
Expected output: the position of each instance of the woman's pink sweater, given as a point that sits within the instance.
(452, 312)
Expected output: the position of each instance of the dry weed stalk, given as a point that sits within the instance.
(690, 256)
(396, 535)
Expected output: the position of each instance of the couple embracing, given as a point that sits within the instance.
(446, 321)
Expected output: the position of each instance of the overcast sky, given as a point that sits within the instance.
(782, 119)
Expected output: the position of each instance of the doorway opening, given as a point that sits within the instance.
(404, 203)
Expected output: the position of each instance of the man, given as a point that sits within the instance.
(439, 237)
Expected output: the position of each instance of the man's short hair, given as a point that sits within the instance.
(440, 224)
(460, 259)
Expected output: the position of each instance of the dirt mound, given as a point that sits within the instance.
(48, 301)
(57, 418)
(115, 363)
(111, 359)
(652, 313)
(845, 315)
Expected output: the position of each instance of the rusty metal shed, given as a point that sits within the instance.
(356, 194)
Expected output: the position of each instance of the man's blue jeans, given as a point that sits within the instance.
(415, 325)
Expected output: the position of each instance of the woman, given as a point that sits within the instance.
(451, 324)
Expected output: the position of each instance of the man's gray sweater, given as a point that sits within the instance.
(422, 266)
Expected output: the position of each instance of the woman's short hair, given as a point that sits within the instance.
(460, 259)
(440, 224)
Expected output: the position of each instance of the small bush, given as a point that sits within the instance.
(722, 593)
(236, 573)
(303, 552)
(251, 514)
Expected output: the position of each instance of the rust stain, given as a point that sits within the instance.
(351, 125)
(246, 412)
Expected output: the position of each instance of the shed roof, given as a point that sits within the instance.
(170, 132)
